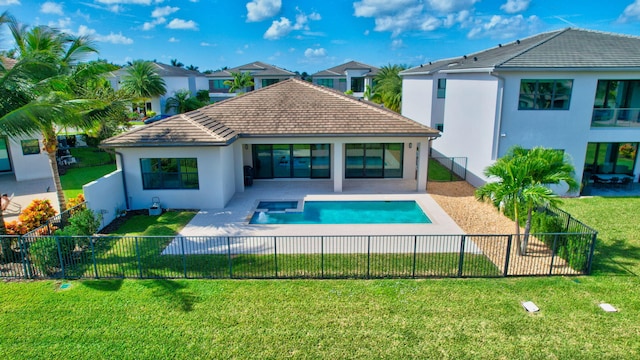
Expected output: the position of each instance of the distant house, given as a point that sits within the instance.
(23, 157)
(352, 76)
(291, 131)
(574, 90)
(263, 75)
(175, 78)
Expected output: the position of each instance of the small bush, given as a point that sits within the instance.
(16, 228)
(73, 202)
(46, 253)
(542, 222)
(36, 214)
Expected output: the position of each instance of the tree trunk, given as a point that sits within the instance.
(517, 219)
(56, 180)
(527, 230)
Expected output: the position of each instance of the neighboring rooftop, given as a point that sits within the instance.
(255, 68)
(351, 65)
(289, 108)
(8, 63)
(566, 49)
(163, 70)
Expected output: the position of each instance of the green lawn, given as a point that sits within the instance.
(88, 156)
(73, 180)
(438, 172)
(334, 319)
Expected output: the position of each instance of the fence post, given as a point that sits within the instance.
(553, 252)
(322, 256)
(506, 260)
(368, 256)
(275, 254)
(60, 255)
(229, 257)
(93, 257)
(138, 257)
(451, 170)
(566, 227)
(461, 260)
(25, 258)
(415, 247)
(184, 257)
(591, 251)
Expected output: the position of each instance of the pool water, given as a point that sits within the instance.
(348, 212)
(277, 205)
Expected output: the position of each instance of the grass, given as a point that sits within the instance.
(73, 180)
(88, 156)
(329, 319)
(438, 172)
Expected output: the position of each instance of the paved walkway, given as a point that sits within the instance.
(233, 221)
(27, 191)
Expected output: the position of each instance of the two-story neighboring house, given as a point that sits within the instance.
(262, 74)
(175, 78)
(573, 90)
(352, 76)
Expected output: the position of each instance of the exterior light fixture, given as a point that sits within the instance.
(410, 145)
(246, 146)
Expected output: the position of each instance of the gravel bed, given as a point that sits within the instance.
(475, 217)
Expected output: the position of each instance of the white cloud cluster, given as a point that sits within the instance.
(111, 38)
(515, 6)
(284, 26)
(9, 2)
(499, 27)
(258, 10)
(51, 7)
(158, 15)
(631, 12)
(315, 53)
(62, 23)
(182, 24)
(134, 2)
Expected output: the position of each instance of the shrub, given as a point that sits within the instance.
(575, 250)
(542, 222)
(73, 202)
(46, 253)
(16, 228)
(36, 214)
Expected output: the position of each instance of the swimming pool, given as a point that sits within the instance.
(347, 212)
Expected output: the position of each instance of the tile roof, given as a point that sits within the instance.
(8, 62)
(289, 108)
(562, 49)
(351, 65)
(163, 70)
(255, 68)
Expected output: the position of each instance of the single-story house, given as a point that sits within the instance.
(289, 130)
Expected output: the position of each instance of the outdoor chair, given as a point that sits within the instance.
(614, 181)
(598, 181)
(9, 207)
(626, 182)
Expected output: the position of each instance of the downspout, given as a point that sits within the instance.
(124, 181)
(497, 132)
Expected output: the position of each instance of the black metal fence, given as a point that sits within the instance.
(457, 166)
(322, 257)
(56, 222)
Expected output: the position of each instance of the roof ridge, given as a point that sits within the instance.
(559, 32)
(202, 127)
(636, 37)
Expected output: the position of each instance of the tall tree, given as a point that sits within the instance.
(182, 102)
(522, 179)
(240, 82)
(39, 88)
(388, 86)
(176, 63)
(142, 82)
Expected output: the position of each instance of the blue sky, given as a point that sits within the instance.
(307, 35)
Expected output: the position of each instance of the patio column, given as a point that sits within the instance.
(423, 165)
(337, 166)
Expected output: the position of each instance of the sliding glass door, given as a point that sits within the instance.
(373, 160)
(291, 161)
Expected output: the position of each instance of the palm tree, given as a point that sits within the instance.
(142, 82)
(176, 63)
(240, 82)
(182, 102)
(38, 92)
(389, 86)
(522, 182)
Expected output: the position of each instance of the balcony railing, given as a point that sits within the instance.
(616, 117)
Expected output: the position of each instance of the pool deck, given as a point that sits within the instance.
(233, 220)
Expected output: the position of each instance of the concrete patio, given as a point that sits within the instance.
(25, 192)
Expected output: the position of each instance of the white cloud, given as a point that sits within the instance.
(62, 23)
(163, 11)
(447, 6)
(460, 18)
(135, 2)
(373, 8)
(9, 2)
(499, 27)
(182, 24)
(204, 43)
(397, 44)
(315, 53)
(315, 16)
(51, 7)
(631, 12)
(111, 38)
(258, 10)
(515, 6)
(152, 24)
(173, 40)
(278, 29)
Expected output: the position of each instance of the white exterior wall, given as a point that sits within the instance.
(469, 116)
(106, 196)
(216, 178)
(257, 80)
(418, 98)
(29, 167)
